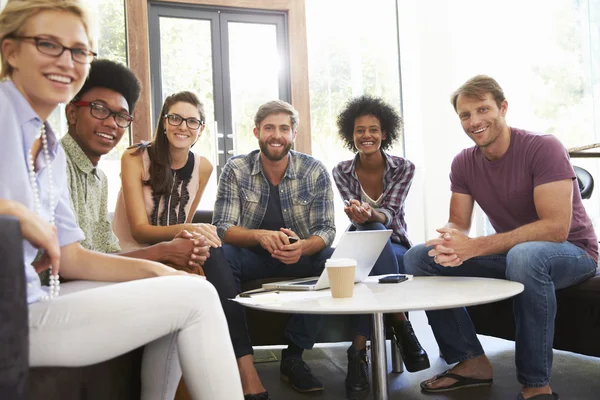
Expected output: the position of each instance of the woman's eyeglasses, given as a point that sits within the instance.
(100, 111)
(176, 120)
(51, 47)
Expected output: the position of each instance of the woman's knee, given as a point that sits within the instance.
(190, 289)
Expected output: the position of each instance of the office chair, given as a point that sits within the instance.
(585, 182)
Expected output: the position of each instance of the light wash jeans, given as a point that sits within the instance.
(542, 267)
(178, 318)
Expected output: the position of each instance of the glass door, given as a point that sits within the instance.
(234, 60)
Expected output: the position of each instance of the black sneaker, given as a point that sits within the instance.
(414, 355)
(258, 396)
(357, 378)
(295, 371)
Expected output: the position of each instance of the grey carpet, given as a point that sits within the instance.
(575, 377)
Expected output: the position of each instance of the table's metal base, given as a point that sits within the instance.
(378, 355)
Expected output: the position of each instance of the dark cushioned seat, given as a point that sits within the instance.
(577, 325)
(14, 345)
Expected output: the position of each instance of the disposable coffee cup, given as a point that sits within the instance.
(341, 276)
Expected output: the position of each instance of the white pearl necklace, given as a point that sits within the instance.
(54, 281)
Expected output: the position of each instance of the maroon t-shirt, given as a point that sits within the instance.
(504, 188)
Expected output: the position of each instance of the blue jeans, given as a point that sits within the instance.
(542, 267)
(388, 263)
(247, 265)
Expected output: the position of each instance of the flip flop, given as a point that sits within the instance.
(553, 396)
(462, 382)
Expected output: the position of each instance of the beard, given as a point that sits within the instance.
(264, 148)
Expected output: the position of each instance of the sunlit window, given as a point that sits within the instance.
(545, 54)
(352, 50)
(112, 44)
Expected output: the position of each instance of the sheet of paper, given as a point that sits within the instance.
(262, 298)
(282, 297)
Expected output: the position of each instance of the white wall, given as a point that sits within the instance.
(445, 42)
(433, 134)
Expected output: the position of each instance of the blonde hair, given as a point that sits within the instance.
(16, 13)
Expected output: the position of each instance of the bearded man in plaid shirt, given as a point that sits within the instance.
(264, 198)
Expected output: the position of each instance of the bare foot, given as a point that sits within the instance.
(528, 392)
(478, 367)
(251, 383)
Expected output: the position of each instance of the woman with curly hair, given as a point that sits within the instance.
(374, 185)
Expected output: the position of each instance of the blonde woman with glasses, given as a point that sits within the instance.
(46, 49)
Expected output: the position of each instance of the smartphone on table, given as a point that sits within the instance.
(397, 278)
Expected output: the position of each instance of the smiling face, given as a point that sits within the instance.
(482, 120)
(275, 136)
(181, 137)
(367, 134)
(44, 80)
(96, 137)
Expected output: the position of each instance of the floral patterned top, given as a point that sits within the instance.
(89, 192)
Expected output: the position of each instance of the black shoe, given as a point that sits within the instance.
(258, 396)
(414, 356)
(357, 379)
(295, 371)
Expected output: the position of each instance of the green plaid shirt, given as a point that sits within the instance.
(89, 192)
(305, 194)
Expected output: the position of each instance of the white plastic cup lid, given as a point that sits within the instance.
(340, 262)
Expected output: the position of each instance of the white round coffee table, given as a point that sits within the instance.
(420, 293)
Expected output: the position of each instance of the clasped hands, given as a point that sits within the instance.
(451, 248)
(278, 245)
(190, 249)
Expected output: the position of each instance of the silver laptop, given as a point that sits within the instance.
(363, 246)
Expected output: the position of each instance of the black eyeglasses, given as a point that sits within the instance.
(100, 111)
(176, 120)
(51, 47)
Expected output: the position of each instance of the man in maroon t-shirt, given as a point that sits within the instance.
(525, 184)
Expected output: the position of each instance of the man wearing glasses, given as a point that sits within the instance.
(98, 117)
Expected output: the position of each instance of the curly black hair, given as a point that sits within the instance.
(114, 76)
(388, 117)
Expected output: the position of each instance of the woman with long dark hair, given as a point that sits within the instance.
(163, 180)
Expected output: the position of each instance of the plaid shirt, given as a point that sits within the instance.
(397, 178)
(305, 194)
